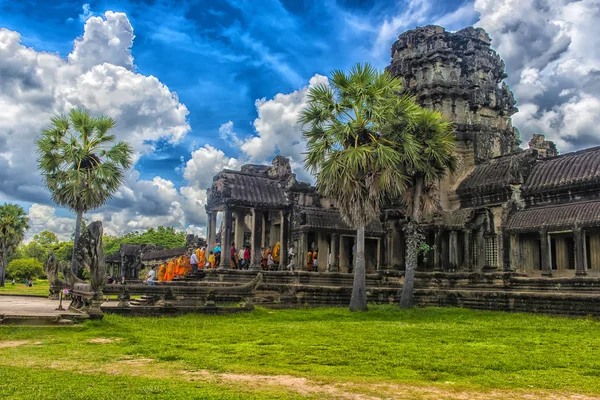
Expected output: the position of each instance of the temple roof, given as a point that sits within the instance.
(457, 219)
(114, 258)
(130, 249)
(560, 172)
(496, 175)
(558, 217)
(164, 254)
(331, 220)
(253, 186)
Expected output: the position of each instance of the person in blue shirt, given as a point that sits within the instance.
(217, 252)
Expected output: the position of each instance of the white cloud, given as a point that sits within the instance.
(204, 164)
(99, 74)
(278, 129)
(44, 218)
(227, 134)
(553, 64)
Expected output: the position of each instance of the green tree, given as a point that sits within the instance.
(46, 239)
(81, 165)
(166, 237)
(430, 141)
(25, 268)
(354, 163)
(13, 224)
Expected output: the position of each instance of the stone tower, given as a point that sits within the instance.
(459, 75)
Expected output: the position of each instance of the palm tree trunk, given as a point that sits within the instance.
(413, 242)
(358, 302)
(3, 268)
(75, 240)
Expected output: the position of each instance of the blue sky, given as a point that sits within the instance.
(221, 57)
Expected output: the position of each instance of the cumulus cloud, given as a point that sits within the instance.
(553, 64)
(227, 134)
(277, 128)
(99, 74)
(204, 164)
(44, 218)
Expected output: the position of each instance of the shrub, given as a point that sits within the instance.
(25, 268)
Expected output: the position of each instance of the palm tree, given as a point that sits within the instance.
(354, 164)
(13, 224)
(81, 166)
(431, 142)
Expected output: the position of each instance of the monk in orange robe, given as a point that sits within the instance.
(170, 274)
(162, 270)
(309, 261)
(179, 267)
(187, 266)
(201, 254)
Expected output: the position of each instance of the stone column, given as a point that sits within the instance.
(453, 250)
(335, 252)
(264, 230)
(515, 253)
(226, 239)
(323, 253)
(378, 266)
(580, 252)
(212, 231)
(545, 253)
(301, 252)
(344, 255)
(284, 238)
(467, 263)
(437, 253)
(240, 228)
(506, 252)
(256, 239)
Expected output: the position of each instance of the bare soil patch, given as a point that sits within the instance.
(103, 340)
(14, 343)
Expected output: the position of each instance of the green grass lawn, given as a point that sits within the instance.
(40, 287)
(193, 356)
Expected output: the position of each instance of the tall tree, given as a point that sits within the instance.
(81, 164)
(13, 224)
(354, 164)
(430, 141)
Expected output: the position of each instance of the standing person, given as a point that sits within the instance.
(194, 261)
(233, 256)
(309, 261)
(241, 258)
(217, 253)
(201, 253)
(247, 257)
(270, 262)
(150, 276)
(291, 259)
(211, 259)
(315, 255)
(162, 270)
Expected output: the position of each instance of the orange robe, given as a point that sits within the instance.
(162, 270)
(309, 261)
(201, 254)
(276, 250)
(187, 267)
(179, 266)
(170, 274)
(211, 260)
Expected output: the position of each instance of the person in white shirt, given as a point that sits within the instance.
(194, 262)
(150, 276)
(241, 257)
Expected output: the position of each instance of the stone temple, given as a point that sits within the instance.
(505, 208)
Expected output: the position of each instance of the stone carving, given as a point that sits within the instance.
(52, 267)
(545, 148)
(459, 75)
(89, 254)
